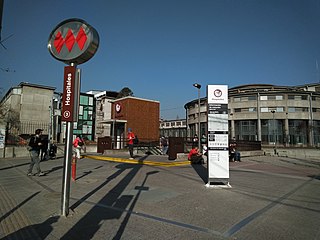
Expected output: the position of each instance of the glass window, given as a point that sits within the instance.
(279, 109)
(252, 98)
(279, 97)
(80, 110)
(253, 109)
(291, 109)
(291, 97)
(272, 97)
(84, 100)
(90, 101)
(236, 99)
(264, 109)
(263, 98)
(237, 110)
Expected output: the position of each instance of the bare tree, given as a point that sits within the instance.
(9, 117)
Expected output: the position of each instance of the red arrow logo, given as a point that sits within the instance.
(70, 40)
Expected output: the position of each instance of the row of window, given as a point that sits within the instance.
(276, 109)
(173, 124)
(273, 97)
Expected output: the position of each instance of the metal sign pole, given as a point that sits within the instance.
(66, 171)
(69, 139)
(84, 42)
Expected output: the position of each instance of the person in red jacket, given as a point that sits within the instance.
(130, 138)
(195, 156)
(77, 146)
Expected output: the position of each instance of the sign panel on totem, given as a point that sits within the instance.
(69, 94)
(218, 153)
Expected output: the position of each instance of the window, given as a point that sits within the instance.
(264, 109)
(263, 98)
(84, 100)
(91, 101)
(297, 97)
(280, 97)
(291, 109)
(236, 99)
(280, 109)
(252, 98)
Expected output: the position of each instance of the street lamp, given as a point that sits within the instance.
(197, 85)
(274, 129)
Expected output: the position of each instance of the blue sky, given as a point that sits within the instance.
(159, 48)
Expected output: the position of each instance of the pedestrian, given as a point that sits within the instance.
(78, 144)
(195, 156)
(203, 140)
(35, 145)
(164, 145)
(195, 141)
(130, 138)
(44, 149)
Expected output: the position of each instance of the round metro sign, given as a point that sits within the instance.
(73, 41)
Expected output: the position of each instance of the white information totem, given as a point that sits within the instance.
(218, 151)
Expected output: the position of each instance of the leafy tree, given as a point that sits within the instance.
(125, 92)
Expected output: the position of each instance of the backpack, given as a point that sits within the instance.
(80, 143)
(136, 140)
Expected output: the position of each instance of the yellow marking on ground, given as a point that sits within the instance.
(137, 161)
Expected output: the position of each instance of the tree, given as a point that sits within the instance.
(125, 92)
(9, 116)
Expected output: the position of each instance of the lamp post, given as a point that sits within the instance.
(197, 85)
(274, 129)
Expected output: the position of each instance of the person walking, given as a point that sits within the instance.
(130, 138)
(78, 143)
(35, 145)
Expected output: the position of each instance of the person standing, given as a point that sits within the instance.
(195, 141)
(164, 145)
(203, 140)
(77, 146)
(35, 144)
(130, 138)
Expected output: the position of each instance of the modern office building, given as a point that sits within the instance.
(283, 115)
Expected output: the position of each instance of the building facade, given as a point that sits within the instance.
(31, 106)
(173, 128)
(274, 115)
(141, 115)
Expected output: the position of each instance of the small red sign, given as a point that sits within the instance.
(68, 93)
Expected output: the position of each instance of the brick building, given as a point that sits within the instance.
(141, 115)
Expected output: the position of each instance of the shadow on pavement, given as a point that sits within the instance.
(202, 171)
(111, 206)
(36, 231)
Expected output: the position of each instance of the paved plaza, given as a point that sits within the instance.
(155, 198)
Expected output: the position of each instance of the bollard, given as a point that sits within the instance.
(73, 168)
